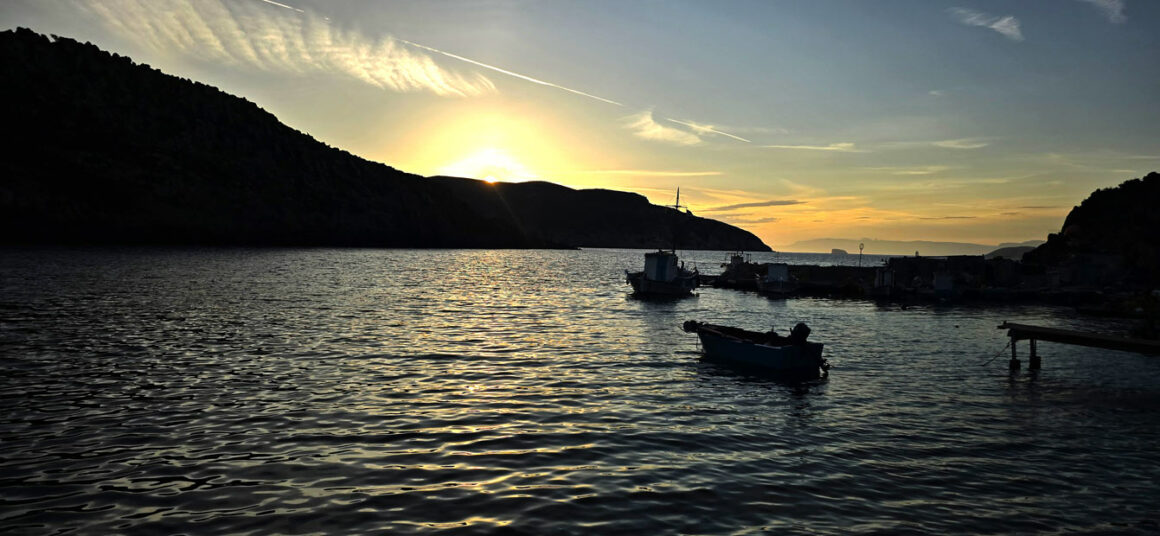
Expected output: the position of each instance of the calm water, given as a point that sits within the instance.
(386, 391)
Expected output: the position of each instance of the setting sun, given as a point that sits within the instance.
(491, 165)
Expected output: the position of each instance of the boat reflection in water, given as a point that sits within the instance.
(769, 352)
(663, 276)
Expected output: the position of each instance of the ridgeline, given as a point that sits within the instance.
(106, 151)
(1112, 236)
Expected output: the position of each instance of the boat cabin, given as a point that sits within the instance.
(661, 266)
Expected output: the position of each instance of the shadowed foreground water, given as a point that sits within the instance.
(369, 391)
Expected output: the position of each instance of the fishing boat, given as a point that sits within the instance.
(739, 272)
(664, 275)
(776, 283)
(767, 351)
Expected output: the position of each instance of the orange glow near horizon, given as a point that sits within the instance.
(506, 142)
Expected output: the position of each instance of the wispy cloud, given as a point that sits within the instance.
(758, 204)
(844, 147)
(1006, 25)
(918, 170)
(949, 218)
(478, 63)
(961, 143)
(1113, 9)
(643, 125)
(706, 129)
(747, 221)
(649, 172)
(250, 35)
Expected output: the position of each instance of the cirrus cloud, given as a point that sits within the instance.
(757, 204)
(961, 143)
(644, 125)
(1008, 25)
(248, 35)
(844, 147)
(1113, 9)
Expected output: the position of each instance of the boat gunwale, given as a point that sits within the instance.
(712, 329)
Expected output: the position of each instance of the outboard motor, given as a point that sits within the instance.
(799, 333)
(691, 326)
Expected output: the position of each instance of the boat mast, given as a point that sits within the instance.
(676, 228)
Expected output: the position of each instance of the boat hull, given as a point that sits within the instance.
(776, 289)
(804, 360)
(680, 286)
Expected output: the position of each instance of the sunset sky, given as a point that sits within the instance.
(967, 120)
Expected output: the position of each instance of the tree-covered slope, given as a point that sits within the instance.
(1121, 224)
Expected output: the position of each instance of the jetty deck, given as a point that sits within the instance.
(1019, 332)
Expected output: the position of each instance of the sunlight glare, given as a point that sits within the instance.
(490, 164)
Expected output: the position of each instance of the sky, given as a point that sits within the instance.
(978, 121)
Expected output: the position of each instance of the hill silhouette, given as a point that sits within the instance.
(106, 151)
(1111, 236)
(1010, 252)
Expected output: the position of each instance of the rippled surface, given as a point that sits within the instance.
(388, 391)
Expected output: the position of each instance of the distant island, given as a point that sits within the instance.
(106, 151)
(901, 247)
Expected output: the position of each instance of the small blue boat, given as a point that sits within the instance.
(768, 351)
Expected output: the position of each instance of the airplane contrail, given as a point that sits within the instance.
(705, 128)
(272, 2)
(477, 63)
(696, 127)
(507, 72)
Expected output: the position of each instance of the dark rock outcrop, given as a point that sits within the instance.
(106, 151)
(1113, 236)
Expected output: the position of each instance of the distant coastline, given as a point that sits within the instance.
(900, 247)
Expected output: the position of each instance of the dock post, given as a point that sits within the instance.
(1034, 363)
(1014, 364)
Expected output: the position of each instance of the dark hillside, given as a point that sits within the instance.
(1113, 234)
(103, 150)
(596, 218)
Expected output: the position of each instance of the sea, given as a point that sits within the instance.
(373, 391)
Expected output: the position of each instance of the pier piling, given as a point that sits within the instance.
(1019, 332)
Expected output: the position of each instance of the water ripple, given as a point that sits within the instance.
(367, 391)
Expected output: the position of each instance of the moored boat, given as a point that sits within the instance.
(791, 355)
(663, 275)
(738, 272)
(776, 282)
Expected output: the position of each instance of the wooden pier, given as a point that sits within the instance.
(1019, 332)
